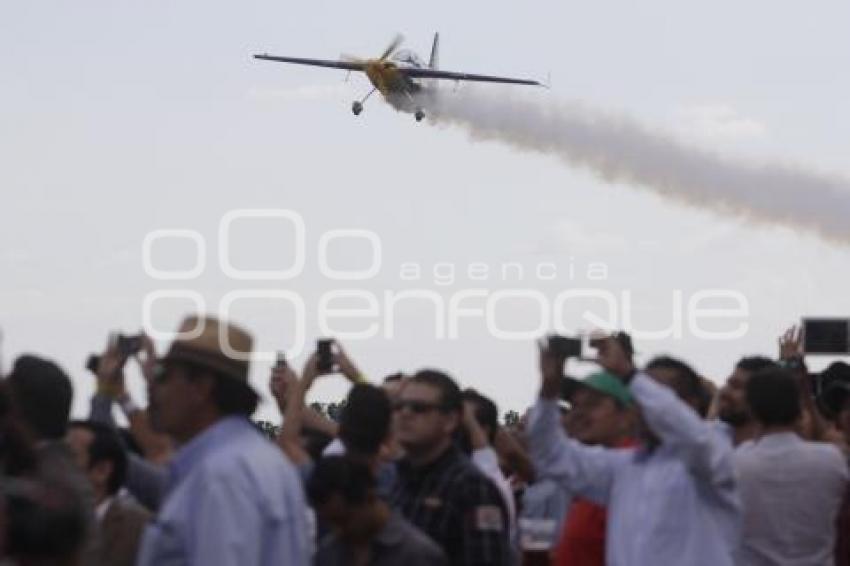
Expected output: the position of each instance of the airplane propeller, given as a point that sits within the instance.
(388, 52)
(396, 42)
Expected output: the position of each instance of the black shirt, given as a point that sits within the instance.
(457, 506)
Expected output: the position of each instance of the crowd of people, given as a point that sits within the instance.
(629, 465)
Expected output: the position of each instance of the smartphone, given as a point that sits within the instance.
(129, 345)
(826, 336)
(325, 355)
(563, 346)
(281, 360)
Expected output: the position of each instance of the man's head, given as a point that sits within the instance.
(365, 421)
(203, 378)
(602, 410)
(774, 398)
(17, 453)
(681, 378)
(732, 403)
(41, 393)
(99, 453)
(342, 491)
(835, 399)
(486, 412)
(427, 412)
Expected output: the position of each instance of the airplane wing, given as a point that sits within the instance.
(423, 73)
(347, 65)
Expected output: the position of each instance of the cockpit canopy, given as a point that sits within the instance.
(408, 57)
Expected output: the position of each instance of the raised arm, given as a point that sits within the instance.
(588, 471)
(706, 452)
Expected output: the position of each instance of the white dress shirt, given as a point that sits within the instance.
(675, 505)
(791, 490)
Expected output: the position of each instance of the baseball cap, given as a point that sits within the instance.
(603, 382)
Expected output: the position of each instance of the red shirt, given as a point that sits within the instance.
(582, 541)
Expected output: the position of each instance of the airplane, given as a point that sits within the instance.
(401, 76)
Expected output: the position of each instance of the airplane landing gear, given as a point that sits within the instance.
(419, 115)
(357, 105)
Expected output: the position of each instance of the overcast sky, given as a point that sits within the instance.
(121, 118)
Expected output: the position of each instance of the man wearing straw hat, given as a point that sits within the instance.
(232, 496)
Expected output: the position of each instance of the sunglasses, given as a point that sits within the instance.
(417, 407)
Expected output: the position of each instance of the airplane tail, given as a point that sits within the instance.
(434, 63)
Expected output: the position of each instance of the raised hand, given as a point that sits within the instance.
(551, 372)
(791, 343)
(283, 382)
(110, 372)
(345, 365)
(612, 356)
(146, 357)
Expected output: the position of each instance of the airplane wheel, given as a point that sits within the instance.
(357, 108)
(419, 115)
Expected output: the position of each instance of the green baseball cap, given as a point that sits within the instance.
(603, 382)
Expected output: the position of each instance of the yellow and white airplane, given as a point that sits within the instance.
(399, 75)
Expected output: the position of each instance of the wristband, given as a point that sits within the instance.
(793, 363)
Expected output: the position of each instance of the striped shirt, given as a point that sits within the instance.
(459, 508)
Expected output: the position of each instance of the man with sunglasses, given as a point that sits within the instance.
(438, 489)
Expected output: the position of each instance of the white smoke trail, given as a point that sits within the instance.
(618, 149)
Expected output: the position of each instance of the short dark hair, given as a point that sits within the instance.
(17, 452)
(833, 388)
(688, 382)
(451, 400)
(45, 519)
(774, 397)
(365, 420)
(315, 441)
(106, 446)
(231, 396)
(348, 477)
(41, 394)
(753, 364)
(486, 411)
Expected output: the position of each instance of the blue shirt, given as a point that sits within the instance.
(233, 500)
(676, 504)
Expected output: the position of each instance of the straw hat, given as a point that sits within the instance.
(222, 347)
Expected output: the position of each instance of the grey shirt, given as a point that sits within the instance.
(791, 490)
(399, 542)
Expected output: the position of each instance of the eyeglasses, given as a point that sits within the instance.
(417, 407)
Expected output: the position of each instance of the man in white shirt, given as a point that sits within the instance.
(674, 499)
(790, 488)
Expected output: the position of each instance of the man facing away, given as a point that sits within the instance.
(791, 489)
(365, 531)
(671, 501)
(233, 499)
